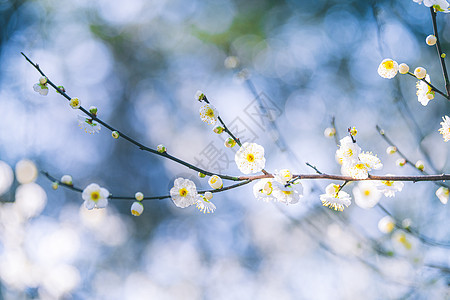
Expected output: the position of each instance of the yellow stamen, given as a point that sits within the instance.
(250, 157)
(388, 65)
(183, 192)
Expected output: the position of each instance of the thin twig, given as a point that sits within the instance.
(126, 137)
(439, 51)
(111, 196)
(424, 239)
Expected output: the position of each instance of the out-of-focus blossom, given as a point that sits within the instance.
(386, 224)
(366, 194)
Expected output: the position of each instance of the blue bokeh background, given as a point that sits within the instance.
(141, 63)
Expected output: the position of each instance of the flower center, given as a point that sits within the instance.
(250, 157)
(287, 192)
(387, 182)
(366, 193)
(183, 192)
(210, 113)
(95, 196)
(388, 65)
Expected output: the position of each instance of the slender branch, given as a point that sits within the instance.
(418, 178)
(314, 168)
(439, 51)
(408, 161)
(126, 137)
(430, 85)
(111, 196)
(225, 128)
(336, 134)
(424, 239)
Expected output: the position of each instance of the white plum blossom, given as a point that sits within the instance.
(360, 170)
(348, 151)
(137, 208)
(215, 182)
(42, 89)
(95, 196)
(424, 92)
(283, 175)
(366, 194)
(443, 194)
(184, 192)
(445, 129)
(89, 125)
(389, 187)
(204, 205)
(288, 194)
(388, 68)
(250, 158)
(335, 198)
(275, 189)
(209, 114)
(263, 189)
(438, 5)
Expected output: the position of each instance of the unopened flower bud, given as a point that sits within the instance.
(215, 182)
(67, 179)
(400, 162)
(55, 185)
(137, 208)
(391, 150)
(115, 134)
(208, 195)
(230, 143)
(420, 72)
(403, 68)
(61, 88)
(161, 148)
(329, 132)
(201, 175)
(43, 80)
(443, 55)
(199, 96)
(218, 129)
(431, 40)
(93, 110)
(420, 165)
(139, 196)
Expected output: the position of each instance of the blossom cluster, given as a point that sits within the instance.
(356, 163)
(184, 193)
(280, 188)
